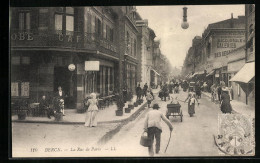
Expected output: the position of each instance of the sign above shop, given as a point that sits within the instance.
(91, 65)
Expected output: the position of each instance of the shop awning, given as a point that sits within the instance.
(245, 74)
(155, 72)
(211, 73)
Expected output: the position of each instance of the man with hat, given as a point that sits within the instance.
(152, 126)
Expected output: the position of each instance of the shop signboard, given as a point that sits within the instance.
(91, 65)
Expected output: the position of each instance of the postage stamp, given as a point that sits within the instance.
(235, 135)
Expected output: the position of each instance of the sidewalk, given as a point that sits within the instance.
(107, 115)
(239, 107)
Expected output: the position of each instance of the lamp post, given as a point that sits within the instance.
(185, 24)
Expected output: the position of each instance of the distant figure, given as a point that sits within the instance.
(191, 103)
(138, 92)
(149, 98)
(152, 125)
(225, 105)
(61, 96)
(219, 90)
(91, 120)
(44, 106)
(145, 89)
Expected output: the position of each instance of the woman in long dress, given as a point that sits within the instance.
(225, 105)
(91, 119)
(191, 103)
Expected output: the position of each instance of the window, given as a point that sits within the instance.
(43, 18)
(24, 21)
(111, 34)
(17, 60)
(98, 27)
(107, 32)
(209, 49)
(58, 22)
(64, 20)
(135, 51)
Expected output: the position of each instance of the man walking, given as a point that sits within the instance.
(152, 126)
(138, 92)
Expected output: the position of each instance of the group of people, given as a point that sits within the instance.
(145, 92)
(58, 103)
(168, 89)
(58, 106)
(222, 95)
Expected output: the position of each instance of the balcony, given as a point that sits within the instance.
(57, 39)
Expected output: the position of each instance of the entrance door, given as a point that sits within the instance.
(62, 77)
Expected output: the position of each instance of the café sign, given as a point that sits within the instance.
(22, 36)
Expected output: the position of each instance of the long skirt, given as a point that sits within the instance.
(226, 107)
(91, 118)
(191, 108)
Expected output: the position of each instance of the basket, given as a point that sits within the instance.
(145, 141)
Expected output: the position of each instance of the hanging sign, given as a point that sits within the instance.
(91, 65)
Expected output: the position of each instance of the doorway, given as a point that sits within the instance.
(64, 78)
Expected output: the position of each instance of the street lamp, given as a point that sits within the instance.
(185, 24)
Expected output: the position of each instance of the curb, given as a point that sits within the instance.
(81, 123)
(109, 135)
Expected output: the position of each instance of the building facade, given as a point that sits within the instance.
(218, 40)
(45, 41)
(245, 77)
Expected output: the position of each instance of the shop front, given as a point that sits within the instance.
(33, 76)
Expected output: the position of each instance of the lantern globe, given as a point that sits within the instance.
(185, 25)
(71, 67)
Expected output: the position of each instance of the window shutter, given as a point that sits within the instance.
(34, 19)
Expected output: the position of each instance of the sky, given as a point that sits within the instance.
(166, 23)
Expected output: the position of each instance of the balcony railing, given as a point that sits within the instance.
(60, 39)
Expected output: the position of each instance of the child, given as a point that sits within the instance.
(149, 98)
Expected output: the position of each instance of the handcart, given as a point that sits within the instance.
(174, 110)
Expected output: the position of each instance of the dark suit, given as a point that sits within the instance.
(44, 105)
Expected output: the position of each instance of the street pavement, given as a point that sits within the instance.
(192, 137)
(41, 136)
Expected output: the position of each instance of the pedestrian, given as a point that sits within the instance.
(212, 88)
(44, 106)
(60, 95)
(91, 117)
(219, 89)
(191, 103)
(145, 89)
(149, 98)
(225, 105)
(198, 90)
(138, 92)
(205, 87)
(152, 125)
(165, 91)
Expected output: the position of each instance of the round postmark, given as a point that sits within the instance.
(235, 134)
